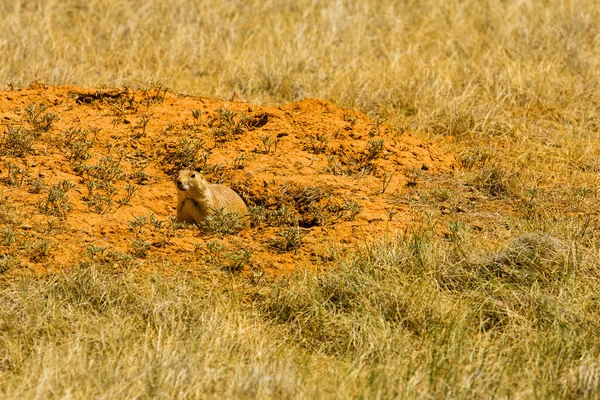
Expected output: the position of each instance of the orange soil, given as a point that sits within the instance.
(320, 163)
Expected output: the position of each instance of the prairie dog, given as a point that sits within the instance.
(196, 198)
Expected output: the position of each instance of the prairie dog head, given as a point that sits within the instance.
(191, 184)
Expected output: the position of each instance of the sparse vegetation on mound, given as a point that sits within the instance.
(118, 160)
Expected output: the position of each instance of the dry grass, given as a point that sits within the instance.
(517, 87)
(403, 317)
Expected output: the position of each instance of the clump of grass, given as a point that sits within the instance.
(269, 143)
(17, 142)
(533, 257)
(9, 236)
(149, 227)
(8, 262)
(288, 239)
(33, 115)
(239, 161)
(101, 185)
(228, 260)
(36, 186)
(101, 196)
(196, 114)
(283, 216)
(139, 248)
(334, 166)
(186, 155)
(40, 250)
(141, 125)
(354, 209)
(468, 160)
(75, 144)
(57, 203)
(155, 93)
(496, 180)
(227, 124)
(222, 222)
(317, 143)
(258, 215)
(16, 176)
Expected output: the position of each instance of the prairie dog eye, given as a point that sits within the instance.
(193, 175)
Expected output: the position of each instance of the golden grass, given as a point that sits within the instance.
(517, 87)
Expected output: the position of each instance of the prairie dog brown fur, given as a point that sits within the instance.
(196, 198)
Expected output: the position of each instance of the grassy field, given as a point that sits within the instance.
(511, 88)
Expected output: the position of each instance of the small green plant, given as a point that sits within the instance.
(320, 215)
(17, 142)
(237, 260)
(222, 222)
(33, 115)
(138, 224)
(155, 94)
(353, 208)
(258, 215)
(139, 248)
(141, 124)
(108, 169)
(373, 149)
(33, 112)
(350, 118)
(130, 191)
(76, 143)
(215, 252)
(376, 127)
(196, 114)
(36, 186)
(217, 172)
(149, 226)
(289, 239)
(17, 176)
(269, 143)
(317, 143)
(95, 252)
(226, 126)
(283, 216)
(101, 197)
(390, 213)
(363, 164)
(57, 203)
(185, 155)
(240, 161)
(40, 250)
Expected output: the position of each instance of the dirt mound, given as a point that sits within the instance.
(87, 174)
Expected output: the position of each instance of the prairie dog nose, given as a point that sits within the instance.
(182, 186)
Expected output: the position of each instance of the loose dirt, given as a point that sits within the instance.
(320, 179)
